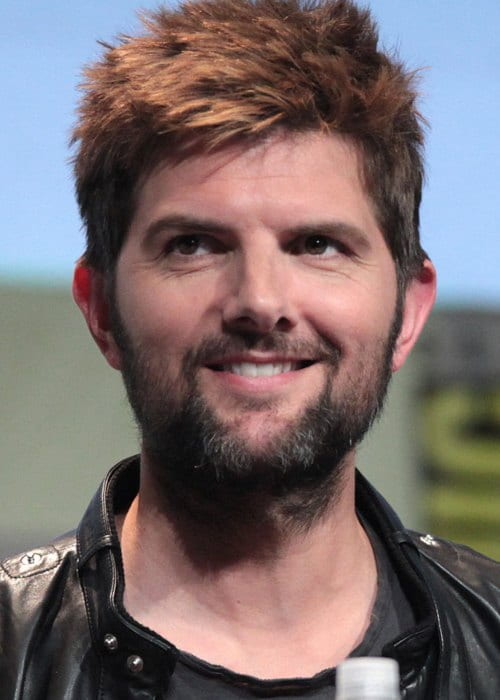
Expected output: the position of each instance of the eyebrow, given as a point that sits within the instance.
(185, 224)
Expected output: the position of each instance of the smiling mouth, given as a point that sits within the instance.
(261, 369)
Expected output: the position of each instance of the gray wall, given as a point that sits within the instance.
(64, 421)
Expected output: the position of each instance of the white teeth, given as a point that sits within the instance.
(250, 369)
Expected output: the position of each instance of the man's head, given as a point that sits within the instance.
(216, 72)
(252, 219)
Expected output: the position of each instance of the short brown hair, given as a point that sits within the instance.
(212, 72)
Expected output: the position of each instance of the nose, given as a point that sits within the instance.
(260, 297)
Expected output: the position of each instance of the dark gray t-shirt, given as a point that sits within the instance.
(392, 614)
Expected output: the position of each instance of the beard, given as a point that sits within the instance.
(195, 457)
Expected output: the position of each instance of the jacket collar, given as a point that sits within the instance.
(134, 659)
(415, 650)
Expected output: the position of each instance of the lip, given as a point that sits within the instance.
(259, 384)
(259, 360)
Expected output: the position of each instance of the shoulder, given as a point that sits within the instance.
(29, 579)
(39, 560)
(465, 589)
(44, 632)
(33, 586)
(459, 567)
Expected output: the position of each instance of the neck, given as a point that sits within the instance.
(262, 565)
(222, 523)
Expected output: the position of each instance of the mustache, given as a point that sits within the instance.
(212, 349)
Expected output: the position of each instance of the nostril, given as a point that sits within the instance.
(284, 324)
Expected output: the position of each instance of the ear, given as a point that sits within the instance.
(89, 292)
(418, 302)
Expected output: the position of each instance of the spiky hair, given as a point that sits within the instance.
(214, 72)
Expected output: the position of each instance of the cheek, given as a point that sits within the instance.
(165, 320)
(354, 315)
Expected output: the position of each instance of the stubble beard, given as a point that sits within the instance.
(202, 467)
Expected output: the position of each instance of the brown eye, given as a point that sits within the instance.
(320, 245)
(186, 245)
(316, 245)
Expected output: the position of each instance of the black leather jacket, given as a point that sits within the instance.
(64, 633)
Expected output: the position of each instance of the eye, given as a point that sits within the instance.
(191, 245)
(318, 245)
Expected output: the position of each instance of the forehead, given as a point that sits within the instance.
(286, 177)
(278, 151)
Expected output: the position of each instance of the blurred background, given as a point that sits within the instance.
(64, 419)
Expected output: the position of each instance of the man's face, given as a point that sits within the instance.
(255, 300)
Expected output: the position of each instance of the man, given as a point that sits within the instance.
(249, 175)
